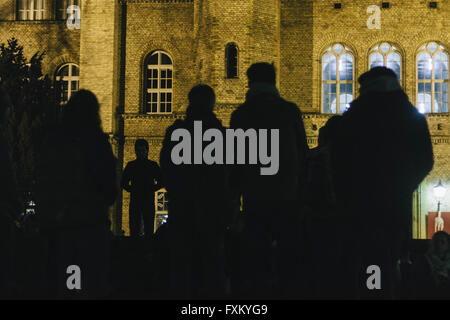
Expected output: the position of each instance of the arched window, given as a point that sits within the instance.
(158, 95)
(68, 77)
(231, 60)
(432, 78)
(337, 79)
(386, 55)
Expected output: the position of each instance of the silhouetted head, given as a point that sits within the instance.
(201, 100)
(440, 243)
(328, 131)
(82, 110)
(141, 149)
(379, 79)
(261, 72)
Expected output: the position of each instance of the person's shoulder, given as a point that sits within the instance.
(239, 112)
(290, 107)
(153, 163)
(177, 124)
(131, 164)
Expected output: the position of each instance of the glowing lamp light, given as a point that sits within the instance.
(439, 190)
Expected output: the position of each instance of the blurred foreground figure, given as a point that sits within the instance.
(382, 152)
(431, 273)
(76, 185)
(271, 202)
(10, 205)
(199, 209)
(142, 178)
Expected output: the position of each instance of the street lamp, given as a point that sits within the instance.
(439, 192)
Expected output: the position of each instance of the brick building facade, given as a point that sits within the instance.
(127, 49)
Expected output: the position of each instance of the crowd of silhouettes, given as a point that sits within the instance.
(309, 231)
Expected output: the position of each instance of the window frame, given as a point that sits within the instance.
(59, 9)
(424, 48)
(159, 90)
(31, 11)
(330, 50)
(69, 79)
(393, 48)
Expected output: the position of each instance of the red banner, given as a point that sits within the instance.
(431, 222)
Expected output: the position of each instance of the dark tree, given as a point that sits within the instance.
(35, 107)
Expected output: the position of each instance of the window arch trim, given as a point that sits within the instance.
(338, 82)
(157, 87)
(427, 101)
(393, 48)
(71, 79)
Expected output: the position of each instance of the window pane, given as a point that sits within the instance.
(424, 66)
(153, 59)
(344, 101)
(329, 67)
(376, 60)
(75, 71)
(165, 59)
(393, 62)
(424, 97)
(346, 67)
(441, 66)
(64, 71)
(441, 97)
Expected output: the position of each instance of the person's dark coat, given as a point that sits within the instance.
(76, 178)
(265, 109)
(271, 203)
(381, 155)
(204, 188)
(199, 211)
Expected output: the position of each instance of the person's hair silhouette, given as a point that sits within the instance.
(261, 72)
(141, 148)
(201, 100)
(82, 111)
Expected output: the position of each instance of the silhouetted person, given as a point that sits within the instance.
(271, 202)
(199, 208)
(431, 273)
(320, 206)
(10, 205)
(381, 154)
(76, 186)
(142, 178)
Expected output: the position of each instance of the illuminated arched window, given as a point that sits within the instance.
(337, 79)
(231, 59)
(432, 78)
(386, 55)
(158, 95)
(68, 77)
